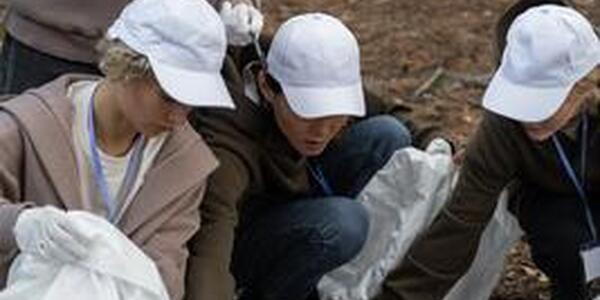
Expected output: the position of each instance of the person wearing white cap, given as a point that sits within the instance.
(45, 39)
(117, 146)
(508, 17)
(539, 139)
(292, 161)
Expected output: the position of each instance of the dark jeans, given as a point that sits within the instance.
(282, 251)
(23, 67)
(556, 228)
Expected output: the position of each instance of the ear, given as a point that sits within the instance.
(263, 86)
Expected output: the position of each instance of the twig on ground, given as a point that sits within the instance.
(479, 80)
(437, 74)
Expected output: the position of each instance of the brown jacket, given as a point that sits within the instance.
(256, 162)
(498, 154)
(38, 167)
(68, 29)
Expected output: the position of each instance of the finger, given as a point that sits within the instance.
(241, 16)
(256, 21)
(227, 14)
(64, 245)
(68, 226)
(226, 7)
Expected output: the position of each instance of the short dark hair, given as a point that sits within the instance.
(509, 16)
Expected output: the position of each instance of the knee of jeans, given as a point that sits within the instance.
(348, 228)
(389, 134)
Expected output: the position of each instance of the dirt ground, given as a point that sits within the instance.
(435, 55)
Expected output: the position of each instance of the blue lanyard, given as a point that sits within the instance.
(316, 172)
(99, 176)
(579, 183)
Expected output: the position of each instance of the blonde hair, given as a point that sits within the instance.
(119, 62)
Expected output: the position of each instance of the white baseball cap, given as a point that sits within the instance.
(316, 60)
(185, 43)
(549, 49)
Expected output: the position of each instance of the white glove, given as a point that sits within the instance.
(243, 22)
(439, 146)
(48, 232)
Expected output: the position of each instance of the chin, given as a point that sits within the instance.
(539, 138)
(539, 135)
(312, 152)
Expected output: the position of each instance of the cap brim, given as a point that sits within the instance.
(523, 103)
(311, 102)
(192, 88)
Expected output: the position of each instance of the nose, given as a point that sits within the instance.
(321, 129)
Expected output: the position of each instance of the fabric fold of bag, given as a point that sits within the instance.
(403, 198)
(114, 268)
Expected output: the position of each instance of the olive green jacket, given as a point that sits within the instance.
(499, 153)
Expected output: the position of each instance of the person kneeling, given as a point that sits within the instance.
(293, 161)
(538, 140)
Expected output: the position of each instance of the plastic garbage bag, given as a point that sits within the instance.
(500, 235)
(402, 199)
(114, 268)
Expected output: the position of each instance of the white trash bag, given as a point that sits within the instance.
(114, 269)
(402, 199)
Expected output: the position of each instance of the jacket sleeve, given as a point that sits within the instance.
(208, 276)
(168, 245)
(11, 162)
(445, 251)
(11, 157)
